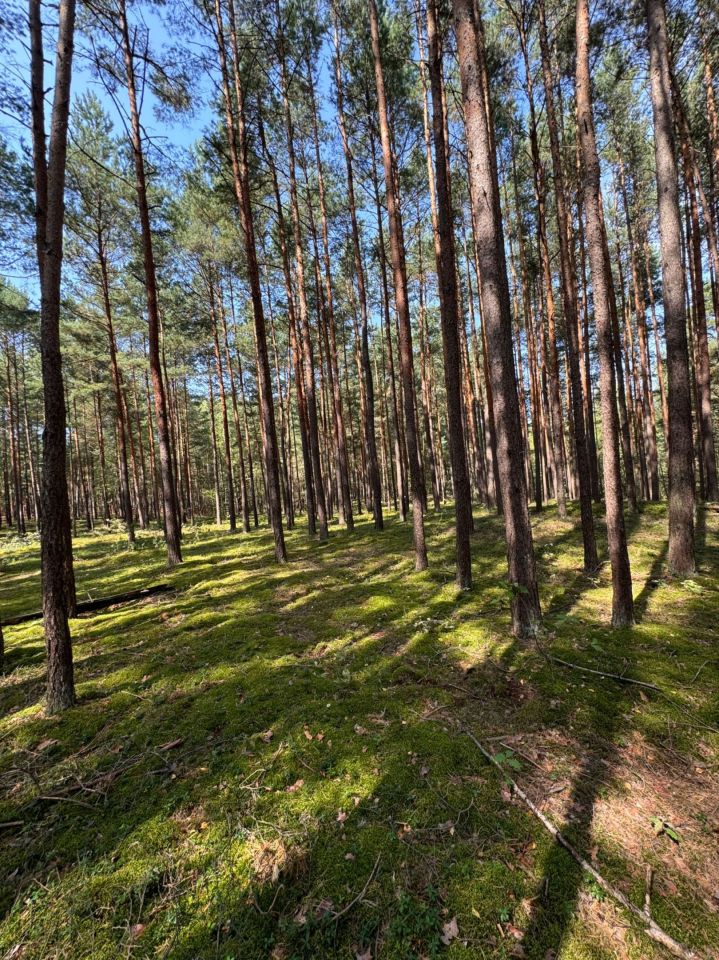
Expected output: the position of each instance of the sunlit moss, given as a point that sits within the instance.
(248, 749)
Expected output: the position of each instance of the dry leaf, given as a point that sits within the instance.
(44, 744)
(450, 931)
(295, 786)
(366, 955)
(323, 908)
(341, 816)
(267, 736)
(171, 744)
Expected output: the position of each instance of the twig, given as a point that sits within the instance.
(259, 909)
(652, 929)
(363, 891)
(59, 799)
(601, 673)
(648, 891)
(693, 679)
(11, 823)
(522, 755)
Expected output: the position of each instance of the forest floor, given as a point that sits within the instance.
(270, 762)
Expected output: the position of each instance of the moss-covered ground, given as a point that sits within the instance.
(268, 762)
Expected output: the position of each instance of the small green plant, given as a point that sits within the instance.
(508, 759)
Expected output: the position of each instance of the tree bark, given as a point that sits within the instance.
(449, 310)
(237, 139)
(308, 366)
(368, 398)
(58, 582)
(622, 601)
(569, 304)
(681, 473)
(401, 300)
(526, 613)
(167, 471)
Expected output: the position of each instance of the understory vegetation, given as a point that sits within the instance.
(273, 762)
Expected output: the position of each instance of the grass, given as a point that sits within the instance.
(267, 762)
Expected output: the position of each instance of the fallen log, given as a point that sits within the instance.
(101, 603)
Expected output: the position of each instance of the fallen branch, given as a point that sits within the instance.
(101, 603)
(601, 673)
(363, 891)
(651, 928)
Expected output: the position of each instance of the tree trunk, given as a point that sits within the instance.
(569, 304)
(58, 583)
(622, 601)
(231, 512)
(237, 139)
(526, 613)
(449, 311)
(401, 300)
(167, 472)
(681, 473)
(368, 418)
(308, 366)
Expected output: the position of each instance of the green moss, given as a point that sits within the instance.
(246, 751)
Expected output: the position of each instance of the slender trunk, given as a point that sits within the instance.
(399, 272)
(526, 613)
(58, 582)
(124, 476)
(330, 322)
(167, 472)
(449, 311)
(369, 398)
(681, 473)
(702, 369)
(622, 602)
(569, 305)
(213, 439)
(237, 139)
(308, 364)
(231, 514)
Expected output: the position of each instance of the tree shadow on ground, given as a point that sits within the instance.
(211, 844)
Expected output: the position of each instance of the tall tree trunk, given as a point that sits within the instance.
(58, 582)
(702, 371)
(449, 311)
(231, 512)
(555, 403)
(308, 365)
(400, 475)
(237, 139)
(124, 476)
(401, 299)
(526, 613)
(213, 439)
(369, 399)
(622, 601)
(167, 471)
(681, 473)
(245, 501)
(333, 365)
(647, 400)
(569, 304)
